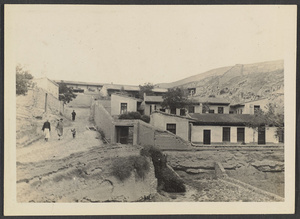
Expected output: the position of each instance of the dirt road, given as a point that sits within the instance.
(56, 149)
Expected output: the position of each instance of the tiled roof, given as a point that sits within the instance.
(224, 119)
(243, 103)
(160, 90)
(127, 96)
(153, 99)
(120, 86)
(79, 83)
(173, 115)
(212, 100)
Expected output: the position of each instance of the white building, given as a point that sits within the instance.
(48, 85)
(215, 129)
(249, 107)
(121, 103)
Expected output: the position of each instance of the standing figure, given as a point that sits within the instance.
(73, 115)
(60, 128)
(73, 132)
(46, 129)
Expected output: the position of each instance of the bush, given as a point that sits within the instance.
(123, 167)
(151, 151)
(145, 118)
(167, 180)
(130, 115)
(102, 134)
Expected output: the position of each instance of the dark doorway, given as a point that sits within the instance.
(190, 131)
(206, 136)
(125, 135)
(262, 135)
(240, 134)
(171, 128)
(226, 134)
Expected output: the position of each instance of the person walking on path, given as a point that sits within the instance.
(73, 115)
(60, 129)
(46, 129)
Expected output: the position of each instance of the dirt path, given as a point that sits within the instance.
(56, 149)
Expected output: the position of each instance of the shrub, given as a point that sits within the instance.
(123, 167)
(141, 166)
(130, 115)
(102, 134)
(167, 180)
(145, 118)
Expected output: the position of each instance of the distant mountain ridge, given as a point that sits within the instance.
(238, 83)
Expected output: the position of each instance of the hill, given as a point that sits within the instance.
(238, 83)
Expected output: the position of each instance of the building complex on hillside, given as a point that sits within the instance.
(206, 121)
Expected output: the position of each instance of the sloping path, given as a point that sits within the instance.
(56, 149)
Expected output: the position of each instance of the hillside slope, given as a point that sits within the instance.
(238, 83)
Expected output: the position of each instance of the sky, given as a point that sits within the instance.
(138, 44)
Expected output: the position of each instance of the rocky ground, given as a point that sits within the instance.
(262, 169)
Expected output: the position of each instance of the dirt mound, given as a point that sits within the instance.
(82, 177)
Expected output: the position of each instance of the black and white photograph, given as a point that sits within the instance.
(173, 109)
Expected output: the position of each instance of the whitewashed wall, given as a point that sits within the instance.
(116, 104)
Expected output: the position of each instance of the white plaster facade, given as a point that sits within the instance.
(249, 107)
(160, 121)
(191, 130)
(117, 100)
(251, 135)
(48, 85)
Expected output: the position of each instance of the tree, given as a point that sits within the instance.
(146, 89)
(23, 80)
(269, 118)
(66, 93)
(175, 98)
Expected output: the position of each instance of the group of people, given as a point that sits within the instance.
(59, 128)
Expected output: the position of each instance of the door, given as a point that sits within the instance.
(240, 134)
(206, 136)
(262, 135)
(122, 135)
(226, 134)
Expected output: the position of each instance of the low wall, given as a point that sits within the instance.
(150, 135)
(146, 134)
(103, 120)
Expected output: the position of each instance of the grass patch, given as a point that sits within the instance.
(124, 166)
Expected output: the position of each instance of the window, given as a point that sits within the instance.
(211, 111)
(192, 91)
(256, 108)
(226, 134)
(162, 110)
(182, 112)
(220, 110)
(231, 112)
(123, 108)
(173, 111)
(171, 128)
(191, 109)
